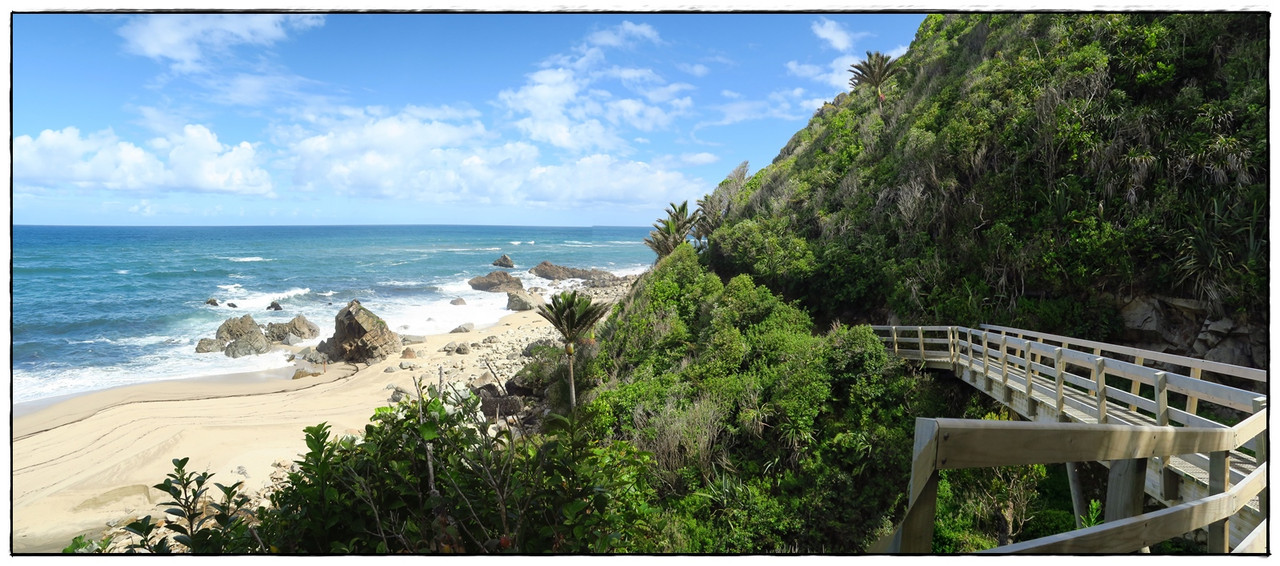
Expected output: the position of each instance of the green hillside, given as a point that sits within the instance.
(1024, 169)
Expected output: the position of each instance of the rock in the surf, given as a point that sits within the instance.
(275, 306)
(504, 261)
(360, 336)
(496, 282)
(299, 326)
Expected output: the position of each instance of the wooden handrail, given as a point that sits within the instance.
(1252, 374)
(1133, 533)
(1021, 363)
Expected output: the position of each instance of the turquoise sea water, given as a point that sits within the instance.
(98, 307)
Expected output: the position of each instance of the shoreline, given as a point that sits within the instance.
(85, 463)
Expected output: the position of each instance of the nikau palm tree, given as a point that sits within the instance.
(573, 316)
(670, 232)
(875, 70)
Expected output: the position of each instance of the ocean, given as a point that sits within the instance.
(100, 307)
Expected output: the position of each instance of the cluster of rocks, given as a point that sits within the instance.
(274, 306)
(359, 336)
(243, 336)
(601, 285)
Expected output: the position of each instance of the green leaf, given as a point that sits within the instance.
(573, 508)
(429, 431)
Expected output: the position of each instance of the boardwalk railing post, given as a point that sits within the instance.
(1193, 402)
(1032, 408)
(1058, 367)
(917, 527)
(1100, 384)
(986, 365)
(920, 336)
(1004, 365)
(1135, 386)
(953, 348)
(1219, 478)
(893, 331)
(1260, 454)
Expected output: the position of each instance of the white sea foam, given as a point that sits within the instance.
(328, 293)
(122, 271)
(245, 259)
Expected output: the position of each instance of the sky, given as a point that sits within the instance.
(409, 118)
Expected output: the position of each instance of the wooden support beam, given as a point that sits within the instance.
(1078, 505)
(986, 363)
(893, 331)
(1162, 399)
(1219, 474)
(917, 526)
(1125, 489)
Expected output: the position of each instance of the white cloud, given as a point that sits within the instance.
(200, 162)
(898, 51)
(702, 158)
(833, 33)
(696, 69)
(187, 39)
(730, 94)
(143, 207)
(622, 34)
(605, 179)
(195, 161)
(836, 74)
(98, 160)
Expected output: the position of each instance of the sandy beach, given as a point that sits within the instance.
(84, 464)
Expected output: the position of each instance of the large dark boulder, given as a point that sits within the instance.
(504, 261)
(248, 345)
(506, 406)
(275, 306)
(236, 328)
(548, 270)
(496, 282)
(359, 336)
(299, 326)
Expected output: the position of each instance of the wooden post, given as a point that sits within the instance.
(1135, 386)
(1162, 399)
(1100, 384)
(917, 527)
(1078, 504)
(1193, 402)
(1004, 361)
(1058, 366)
(1032, 408)
(920, 335)
(953, 347)
(1219, 474)
(1260, 453)
(986, 362)
(893, 331)
(1126, 484)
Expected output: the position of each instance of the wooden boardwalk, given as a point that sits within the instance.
(1053, 380)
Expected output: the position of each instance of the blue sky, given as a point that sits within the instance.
(279, 119)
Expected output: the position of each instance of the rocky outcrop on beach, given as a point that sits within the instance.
(523, 301)
(275, 306)
(504, 261)
(238, 337)
(285, 332)
(496, 282)
(458, 302)
(548, 270)
(359, 336)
